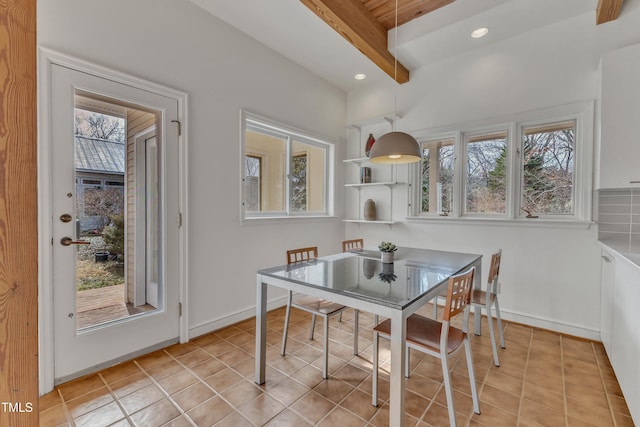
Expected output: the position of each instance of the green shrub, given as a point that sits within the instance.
(113, 235)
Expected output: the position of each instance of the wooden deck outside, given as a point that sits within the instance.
(95, 306)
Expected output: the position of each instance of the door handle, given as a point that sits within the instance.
(66, 241)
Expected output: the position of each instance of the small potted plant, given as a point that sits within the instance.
(386, 251)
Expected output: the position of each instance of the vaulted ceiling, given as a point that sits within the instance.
(366, 23)
(338, 38)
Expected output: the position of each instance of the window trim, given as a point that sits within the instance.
(578, 209)
(581, 112)
(251, 121)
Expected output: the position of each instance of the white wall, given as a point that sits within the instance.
(550, 275)
(174, 43)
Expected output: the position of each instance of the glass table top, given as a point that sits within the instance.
(361, 274)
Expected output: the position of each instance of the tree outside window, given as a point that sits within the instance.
(299, 182)
(486, 183)
(548, 153)
(253, 170)
(96, 125)
(545, 172)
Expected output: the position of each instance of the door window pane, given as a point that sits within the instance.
(105, 173)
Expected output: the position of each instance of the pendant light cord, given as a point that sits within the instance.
(395, 70)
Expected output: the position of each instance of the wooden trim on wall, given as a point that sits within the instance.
(18, 215)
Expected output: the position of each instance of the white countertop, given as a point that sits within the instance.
(622, 248)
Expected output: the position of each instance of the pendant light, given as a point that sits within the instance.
(395, 147)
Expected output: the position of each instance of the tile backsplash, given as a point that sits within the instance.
(619, 217)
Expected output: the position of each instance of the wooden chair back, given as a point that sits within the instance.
(494, 272)
(302, 254)
(348, 245)
(458, 293)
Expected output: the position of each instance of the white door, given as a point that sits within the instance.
(78, 348)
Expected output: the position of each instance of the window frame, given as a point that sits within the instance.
(582, 113)
(430, 139)
(290, 135)
(507, 129)
(260, 160)
(577, 187)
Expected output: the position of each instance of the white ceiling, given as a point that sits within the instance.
(290, 28)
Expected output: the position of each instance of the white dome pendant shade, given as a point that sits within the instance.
(395, 148)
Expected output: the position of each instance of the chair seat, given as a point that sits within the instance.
(317, 305)
(425, 332)
(480, 297)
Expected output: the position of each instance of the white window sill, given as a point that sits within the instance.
(288, 219)
(499, 222)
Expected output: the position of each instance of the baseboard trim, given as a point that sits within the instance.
(508, 315)
(552, 325)
(572, 329)
(230, 319)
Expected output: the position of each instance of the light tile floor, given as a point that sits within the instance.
(545, 379)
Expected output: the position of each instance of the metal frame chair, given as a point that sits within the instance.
(438, 339)
(487, 299)
(313, 305)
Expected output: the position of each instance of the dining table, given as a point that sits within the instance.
(360, 280)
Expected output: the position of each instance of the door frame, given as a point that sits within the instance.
(46, 59)
(141, 256)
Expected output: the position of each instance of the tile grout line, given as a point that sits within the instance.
(286, 407)
(524, 375)
(351, 392)
(492, 365)
(564, 385)
(604, 386)
(335, 404)
(217, 394)
(116, 399)
(156, 383)
(67, 413)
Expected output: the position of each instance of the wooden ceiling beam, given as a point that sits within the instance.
(608, 10)
(355, 23)
(407, 10)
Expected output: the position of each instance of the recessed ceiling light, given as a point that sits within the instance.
(360, 76)
(479, 32)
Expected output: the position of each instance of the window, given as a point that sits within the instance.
(486, 173)
(285, 171)
(548, 168)
(253, 172)
(533, 166)
(438, 164)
